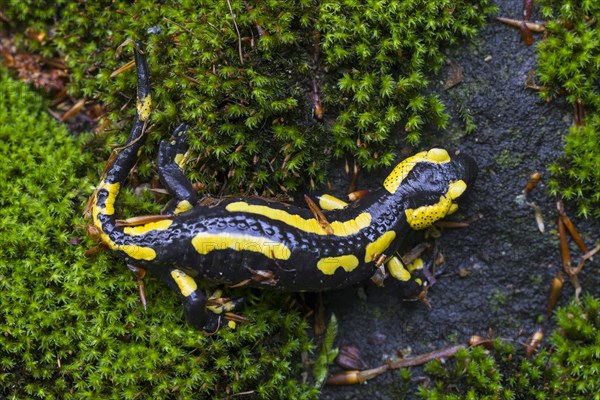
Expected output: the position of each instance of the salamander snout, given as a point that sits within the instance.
(430, 185)
(466, 169)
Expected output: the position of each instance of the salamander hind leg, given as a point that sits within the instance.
(414, 278)
(203, 313)
(222, 307)
(171, 158)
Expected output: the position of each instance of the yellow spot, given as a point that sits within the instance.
(113, 191)
(138, 252)
(397, 270)
(231, 324)
(453, 209)
(425, 216)
(187, 284)
(329, 202)
(379, 246)
(439, 156)
(328, 265)
(219, 308)
(95, 212)
(456, 189)
(132, 250)
(144, 107)
(416, 264)
(152, 226)
(180, 160)
(204, 243)
(183, 206)
(399, 173)
(215, 309)
(345, 228)
(419, 281)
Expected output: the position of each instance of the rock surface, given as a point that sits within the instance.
(499, 270)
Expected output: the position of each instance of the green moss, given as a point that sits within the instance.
(509, 159)
(569, 63)
(498, 299)
(569, 371)
(72, 327)
(577, 348)
(576, 176)
(249, 95)
(480, 374)
(401, 387)
(537, 280)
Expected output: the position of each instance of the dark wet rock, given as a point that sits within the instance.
(510, 263)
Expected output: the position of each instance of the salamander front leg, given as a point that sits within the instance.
(413, 279)
(171, 159)
(207, 314)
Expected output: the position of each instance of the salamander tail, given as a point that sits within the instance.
(123, 159)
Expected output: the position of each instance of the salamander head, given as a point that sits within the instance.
(429, 185)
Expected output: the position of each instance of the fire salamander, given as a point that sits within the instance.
(259, 243)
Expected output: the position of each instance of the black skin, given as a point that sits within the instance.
(424, 185)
